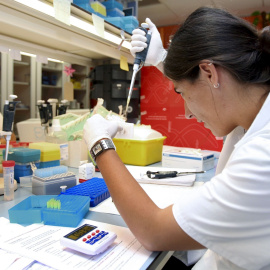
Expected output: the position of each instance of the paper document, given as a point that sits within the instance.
(139, 173)
(161, 195)
(41, 243)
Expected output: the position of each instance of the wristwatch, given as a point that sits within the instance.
(100, 147)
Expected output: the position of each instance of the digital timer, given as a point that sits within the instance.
(88, 239)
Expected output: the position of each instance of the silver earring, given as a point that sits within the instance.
(216, 85)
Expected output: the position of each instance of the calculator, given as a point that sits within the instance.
(88, 239)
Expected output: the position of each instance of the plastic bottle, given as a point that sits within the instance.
(58, 136)
(8, 174)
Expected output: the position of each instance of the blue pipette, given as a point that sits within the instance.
(138, 62)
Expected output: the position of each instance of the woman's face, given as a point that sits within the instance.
(207, 105)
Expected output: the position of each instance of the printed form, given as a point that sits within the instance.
(41, 243)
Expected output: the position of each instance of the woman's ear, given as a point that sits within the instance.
(209, 73)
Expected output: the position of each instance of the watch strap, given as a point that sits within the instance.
(100, 147)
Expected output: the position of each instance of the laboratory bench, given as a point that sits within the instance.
(156, 261)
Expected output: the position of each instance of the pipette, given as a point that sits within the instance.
(8, 119)
(46, 114)
(62, 108)
(138, 62)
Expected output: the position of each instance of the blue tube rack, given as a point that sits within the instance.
(95, 188)
(34, 210)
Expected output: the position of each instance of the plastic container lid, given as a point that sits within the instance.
(8, 163)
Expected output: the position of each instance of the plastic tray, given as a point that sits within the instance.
(99, 8)
(34, 210)
(23, 155)
(110, 4)
(115, 12)
(94, 188)
(49, 151)
(117, 21)
(23, 169)
(139, 152)
(48, 164)
(131, 21)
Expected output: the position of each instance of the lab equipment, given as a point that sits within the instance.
(144, 148)
(24, 169)
(46, 114)
(53, 102)
(49, 182)
(95, 188)
(23, 158)
(62, 107)
(8, 119)
(138, 63)
(34, 210)
(48, 151)
(187, 158)
(8, 174)
(168, 174)
(86, 171)
(88, 239)
(23, 155)
(58, 136)
(48, 172)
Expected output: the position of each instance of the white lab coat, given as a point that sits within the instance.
(230, 215)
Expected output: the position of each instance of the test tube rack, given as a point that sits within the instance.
(95, 188)
(34, 210)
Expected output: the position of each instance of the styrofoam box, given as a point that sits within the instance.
(187, 158)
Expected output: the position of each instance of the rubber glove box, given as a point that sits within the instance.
(143, 149)
(23, 155)
(48, 151)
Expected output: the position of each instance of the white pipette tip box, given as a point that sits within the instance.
(187, 158)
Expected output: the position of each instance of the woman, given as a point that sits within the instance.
(221, 67)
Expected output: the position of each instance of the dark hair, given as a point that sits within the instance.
(229, 41)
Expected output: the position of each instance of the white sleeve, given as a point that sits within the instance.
(231, 213)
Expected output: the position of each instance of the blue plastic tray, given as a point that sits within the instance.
(94, 188)
(47, 164)
(23, 155)
(23, 169)
(34, 210)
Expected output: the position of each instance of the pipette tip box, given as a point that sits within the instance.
(34, 210)
(187, 158)
(42, 186)
(95, 188)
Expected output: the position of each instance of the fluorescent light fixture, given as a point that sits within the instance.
(28, 54)
(86, 26)
(49, 59)
(55, 60)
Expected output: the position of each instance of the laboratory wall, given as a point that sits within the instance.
(163, 109)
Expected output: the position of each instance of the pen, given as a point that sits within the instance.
(168, 174)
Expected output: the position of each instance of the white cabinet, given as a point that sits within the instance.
(18, 77)
(81, 85)
(50, 80)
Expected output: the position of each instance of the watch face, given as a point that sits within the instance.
(96, 149)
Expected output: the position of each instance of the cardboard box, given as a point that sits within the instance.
(187, 158)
